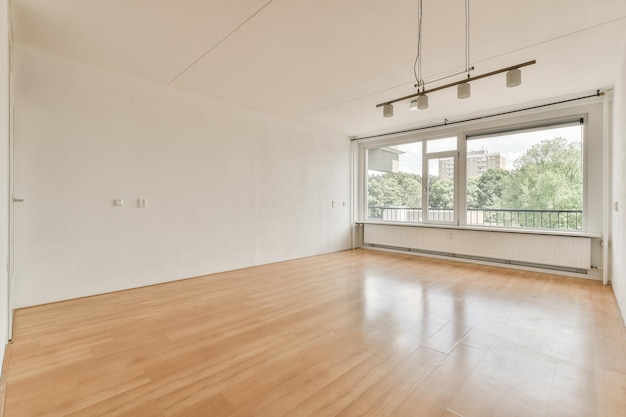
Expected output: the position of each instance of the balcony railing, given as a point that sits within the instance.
(532, 219)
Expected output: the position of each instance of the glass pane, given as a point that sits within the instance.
(531, 179)
(441, 145)
(441, 189)
(394, 183)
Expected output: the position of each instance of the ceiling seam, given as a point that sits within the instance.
(219, 42)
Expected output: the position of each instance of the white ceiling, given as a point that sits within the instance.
(329, 62)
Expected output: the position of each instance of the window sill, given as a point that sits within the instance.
(489, 229)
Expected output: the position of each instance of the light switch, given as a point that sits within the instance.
(118, 203)
(142, 203)
(334, 203)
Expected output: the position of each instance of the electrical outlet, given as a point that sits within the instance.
(142, 203)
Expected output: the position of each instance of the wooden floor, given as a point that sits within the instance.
(358, 333)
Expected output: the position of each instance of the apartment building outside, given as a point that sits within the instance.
(478, 162)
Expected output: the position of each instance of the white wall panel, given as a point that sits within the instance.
(618, 230)
(227, 187)
(4, 173)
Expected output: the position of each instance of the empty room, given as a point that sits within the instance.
(300, 208)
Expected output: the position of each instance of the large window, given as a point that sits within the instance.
(394, 183)
(396, 189)
(529, 177)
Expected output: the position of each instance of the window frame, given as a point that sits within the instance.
(403, 140)
(536, 125)
(472, 130)
(425, 195)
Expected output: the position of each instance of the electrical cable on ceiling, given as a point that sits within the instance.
(464, 90)
(418, 59)
(467, 35)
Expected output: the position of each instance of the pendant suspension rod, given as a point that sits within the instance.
(476, 77)
(467, 37)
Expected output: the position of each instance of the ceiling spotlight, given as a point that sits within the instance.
(513, 77)
(413, 105)
(388, 110)
(422, 101)
(463, 90)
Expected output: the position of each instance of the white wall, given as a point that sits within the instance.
(227, 187)
(4, 173)
(618, 229)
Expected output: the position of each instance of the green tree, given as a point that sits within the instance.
(548, 176)
(490, 186)
(441, 193)
(394, 189)
(383, 190)
(472, 193)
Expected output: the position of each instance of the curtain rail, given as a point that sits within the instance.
(447, 123)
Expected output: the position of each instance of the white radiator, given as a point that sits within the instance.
(562, 251)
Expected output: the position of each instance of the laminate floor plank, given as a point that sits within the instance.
(278, 394)
(384, 395)
(356, 333)
(345, 389)
(434, 394)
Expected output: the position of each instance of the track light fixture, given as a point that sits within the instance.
(419, 103)
(476, 77)
(419, 100)
(422, 102)
(388, 110)
(513, 78)
(463, 90)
